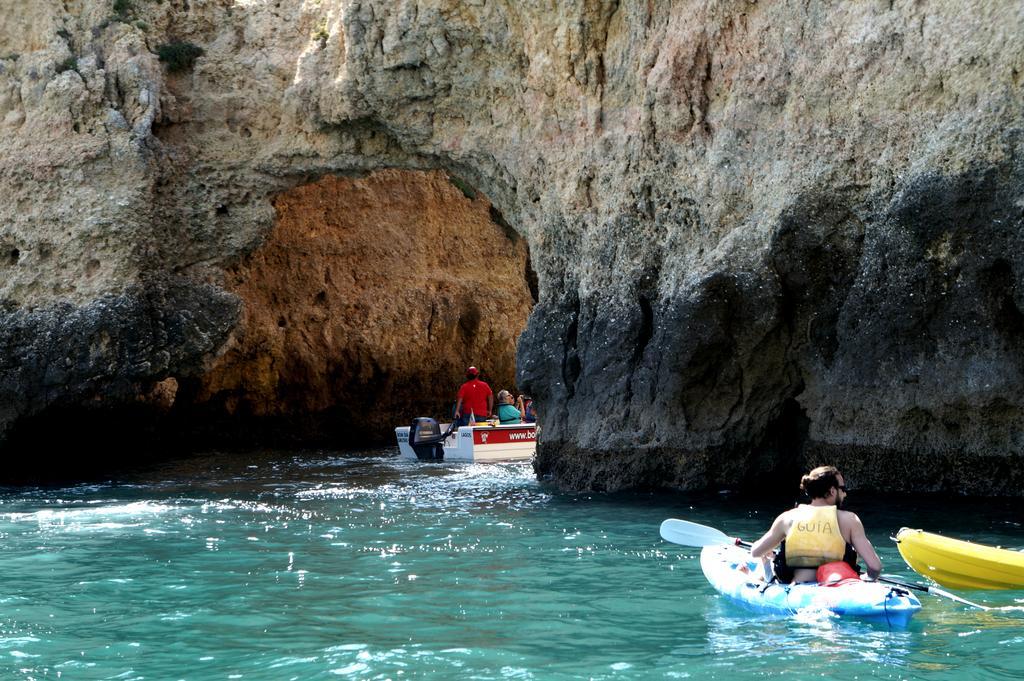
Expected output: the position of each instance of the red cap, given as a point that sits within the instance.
(472, 371)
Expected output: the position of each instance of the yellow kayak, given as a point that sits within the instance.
(960, 564)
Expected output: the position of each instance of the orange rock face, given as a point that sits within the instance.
(368, 300)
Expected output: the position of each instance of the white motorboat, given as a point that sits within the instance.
(481, 442)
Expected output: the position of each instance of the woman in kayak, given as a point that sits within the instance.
(818, 533)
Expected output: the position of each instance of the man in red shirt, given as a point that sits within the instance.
(475, 398)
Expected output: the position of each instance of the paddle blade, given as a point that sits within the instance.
(693, 534)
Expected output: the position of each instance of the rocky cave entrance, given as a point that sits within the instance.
(361, 310)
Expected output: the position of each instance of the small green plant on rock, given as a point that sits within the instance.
(321, 35)
(122, 8)
(69, 64)
(179, 55)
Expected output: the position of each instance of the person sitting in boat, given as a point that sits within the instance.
(529, 410)
(475, 399)
(819, 533)
(508, 412)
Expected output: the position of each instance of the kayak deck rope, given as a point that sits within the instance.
(894, 592)
(885, 606)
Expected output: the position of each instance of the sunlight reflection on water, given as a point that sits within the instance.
(324, 565)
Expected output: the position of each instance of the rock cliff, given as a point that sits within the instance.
(765, 234)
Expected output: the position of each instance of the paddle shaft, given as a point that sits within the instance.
(935, 591)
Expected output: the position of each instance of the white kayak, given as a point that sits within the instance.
(732, 572)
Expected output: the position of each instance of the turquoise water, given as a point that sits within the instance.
(321, 566)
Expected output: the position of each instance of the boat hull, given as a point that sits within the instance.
(733, 573)
(482, 443)
(959, 564)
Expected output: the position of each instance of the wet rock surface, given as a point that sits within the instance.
(766, 235)
(79, 381)
(887, 344)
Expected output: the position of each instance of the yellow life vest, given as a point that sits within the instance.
(814, 537)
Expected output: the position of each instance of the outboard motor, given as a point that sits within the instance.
(427, 440)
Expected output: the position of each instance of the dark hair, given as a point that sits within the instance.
(818, 482)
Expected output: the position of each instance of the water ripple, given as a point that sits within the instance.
(279, 566)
